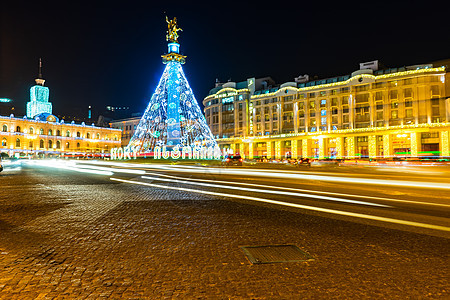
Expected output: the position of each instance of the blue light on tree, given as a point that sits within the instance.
(173, 117)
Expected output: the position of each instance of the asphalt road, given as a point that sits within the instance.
(84, 229)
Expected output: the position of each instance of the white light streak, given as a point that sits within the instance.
(269, 191)
(313, 208)
(301, 190)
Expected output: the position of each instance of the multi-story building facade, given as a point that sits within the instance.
(370, 113)
(52, 137)
(40, 133)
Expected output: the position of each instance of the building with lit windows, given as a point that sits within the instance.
(40, 133)
(127, 127)
(371, 113)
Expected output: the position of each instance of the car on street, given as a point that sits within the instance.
(232, 160)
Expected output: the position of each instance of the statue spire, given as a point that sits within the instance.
(172, 30)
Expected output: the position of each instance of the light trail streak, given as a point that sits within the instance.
(269, 191)
(286, 175)
(300, 190)
(306, 207)
(70, 165)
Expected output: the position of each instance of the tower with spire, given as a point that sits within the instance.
(39, 93)
(173, 118)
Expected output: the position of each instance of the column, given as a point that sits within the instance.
(339, 147)
(233, 148)
(250, 150)
(351, 147)
(415, 144)
(269, 149)
(242, 150)
(387, 146)
(372, 146)
(278, 150)
(294, 149)
(445, 146)
(306, 148)
(321, 148)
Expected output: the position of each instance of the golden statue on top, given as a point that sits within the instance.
(172, 31)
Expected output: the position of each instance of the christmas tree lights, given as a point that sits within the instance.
(173, 119)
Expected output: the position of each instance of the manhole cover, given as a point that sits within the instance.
(275, 254)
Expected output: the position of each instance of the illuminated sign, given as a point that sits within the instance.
(196, 152)
(226, 94)
(5, 100)
(228, 99)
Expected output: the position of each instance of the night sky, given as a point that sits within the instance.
(110, 54)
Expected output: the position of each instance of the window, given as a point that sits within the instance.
(312, 104)
(323, 103)
(78, 134)
(4, 142)
(408, 104)
(41, 131)
(67, 133)
(5, 128)
(394, 105)
(88, 135)
(58, 132)
(379, 115)
(435, 90)
(41, 144)
(393, 94)
(323, 112)
(408, 93)
(50, 132)
(67, 145)
(50, 144)
(361, 88)
(379, 105)
(31, 130)
(409, 113)
(394, 114)
(311, 95)
(323, 120)
(78, 145)
(18, 129)
(30, 145)
(345, 109)
(312, 113)
(379, 96)
(17, 143)
(334, 102)
(58, 145)
(98, 136)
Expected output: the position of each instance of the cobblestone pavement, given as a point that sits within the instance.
(69, 236)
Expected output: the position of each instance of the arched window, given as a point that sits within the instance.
(98, 136)
(78, 145)
(31, 130)
(41, 131)
(58, 132)
(68, 133)
(30, 145)
(50, 144)
(18, 129)
(88, 135)
(115, 137)
(67, 145)
(58, 145)
(41, 144)
(5, 128)
(78, 134)
(4, 143)
(50, 132)
(17, 143)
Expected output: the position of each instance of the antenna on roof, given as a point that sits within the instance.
(40, 68)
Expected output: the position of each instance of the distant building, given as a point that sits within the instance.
(397, 112)
(127, 126)
(39, 97)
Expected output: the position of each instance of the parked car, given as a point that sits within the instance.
(304, 162)
(232, 160)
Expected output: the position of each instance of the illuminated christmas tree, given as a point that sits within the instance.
(173, 118)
